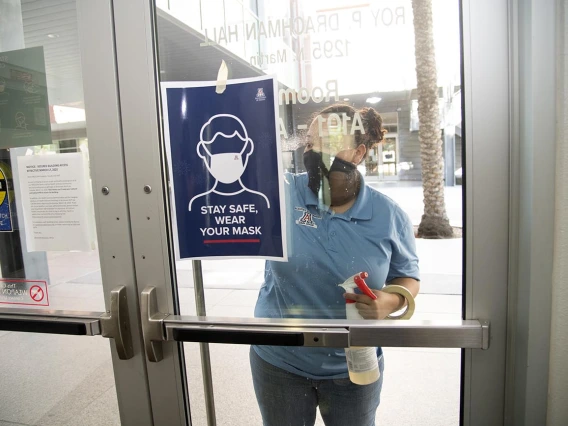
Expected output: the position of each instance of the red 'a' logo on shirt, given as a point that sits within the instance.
(307, 218)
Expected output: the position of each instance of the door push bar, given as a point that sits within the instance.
(114, 323)
(158, 327)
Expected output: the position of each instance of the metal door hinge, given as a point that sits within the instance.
(115, 324)
(152, 325)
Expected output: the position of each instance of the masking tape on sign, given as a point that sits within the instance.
(222, 78)
(403, 291)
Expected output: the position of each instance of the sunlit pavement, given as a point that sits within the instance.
(67, 380)
(409, 196)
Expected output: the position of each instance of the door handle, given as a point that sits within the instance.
(152, 325)
(115, 323)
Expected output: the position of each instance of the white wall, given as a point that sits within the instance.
(557, 413)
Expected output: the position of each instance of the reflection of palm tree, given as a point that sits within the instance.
(434, 223)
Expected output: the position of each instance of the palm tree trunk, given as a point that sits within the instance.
(434, 223)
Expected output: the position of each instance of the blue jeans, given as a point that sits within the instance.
(286, 399)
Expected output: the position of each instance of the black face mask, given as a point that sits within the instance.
(344, 182)
(316, 170)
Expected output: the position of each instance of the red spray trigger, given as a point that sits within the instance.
(359, 279)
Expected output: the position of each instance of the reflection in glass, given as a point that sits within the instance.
(325, 53)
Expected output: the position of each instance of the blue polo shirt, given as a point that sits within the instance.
(325, 248)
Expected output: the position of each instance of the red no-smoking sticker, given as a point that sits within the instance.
(36, 293)
(23, 292)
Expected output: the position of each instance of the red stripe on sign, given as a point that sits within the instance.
(230, 241)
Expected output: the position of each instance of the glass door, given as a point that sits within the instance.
(65, 248)
(388, 154)
(235, 247)
(356, 85)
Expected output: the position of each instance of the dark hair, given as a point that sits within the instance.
(371, 119)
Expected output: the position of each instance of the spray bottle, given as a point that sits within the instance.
(362, 362)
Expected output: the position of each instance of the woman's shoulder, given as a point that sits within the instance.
(383, 205)
(382, 199)
(295, 180)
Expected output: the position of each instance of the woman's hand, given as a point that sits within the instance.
(384, 305)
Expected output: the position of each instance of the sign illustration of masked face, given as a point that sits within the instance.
(21, 121)
(226, 167)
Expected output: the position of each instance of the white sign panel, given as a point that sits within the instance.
(54, 191)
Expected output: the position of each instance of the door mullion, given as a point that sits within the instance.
(99, 66)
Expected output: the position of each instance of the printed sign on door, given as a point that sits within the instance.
(23, 292)
(225, 169)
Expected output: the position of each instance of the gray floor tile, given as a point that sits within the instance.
(212, 297)
(439, 303)
(76, 290)
(440, 284)
(236, 403)
(222, 279)
(48, 370)
(102, 411)
(93, 304)
(440, 256)
(232, 311)
(431, 316)
(245, 298)
(64, 273)
(90, 278)
(84, 405)
(88, 259)
(420, 388)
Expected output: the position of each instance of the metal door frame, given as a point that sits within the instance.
(486, 179)
(535, 35)
(486, 210)
(100, 84)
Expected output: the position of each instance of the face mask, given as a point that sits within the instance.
(316, 170)
(226, 168)
(344, 182)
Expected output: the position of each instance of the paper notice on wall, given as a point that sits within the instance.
(54, 191)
